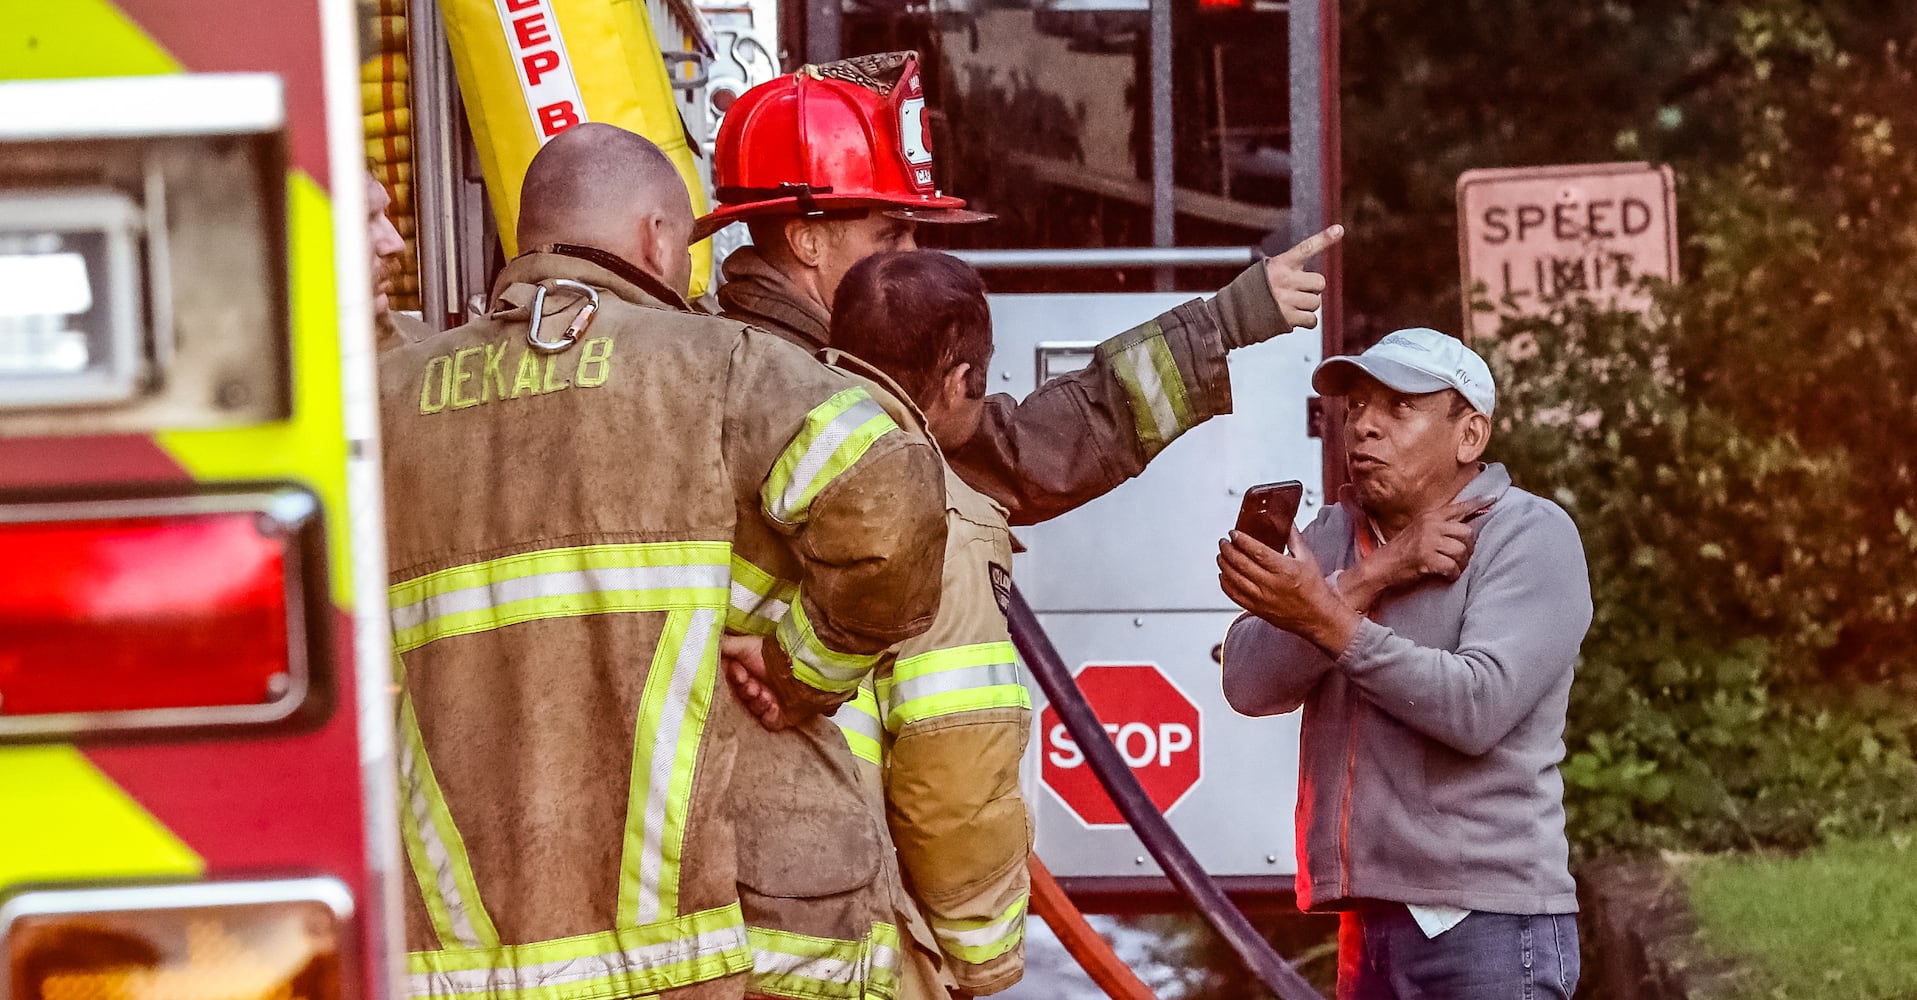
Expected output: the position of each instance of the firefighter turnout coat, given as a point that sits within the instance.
(565, 542)
(940, 729)
(1081, 434)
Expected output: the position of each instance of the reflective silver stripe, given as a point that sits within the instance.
(815, 658)
(641, 958)
(665, 752)
(767, 961)
(852, 720)
(948, 681)
(820, 968)
(561, 584)
(442, 863)
(990, 934)
(1152, 389)
(748, 601)
(800, 965)
(819, 453)
(799, 640)
(884, 957)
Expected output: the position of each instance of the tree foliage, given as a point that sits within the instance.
(1697, 720)
(1739, 462)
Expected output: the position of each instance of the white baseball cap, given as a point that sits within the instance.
(1418, 360)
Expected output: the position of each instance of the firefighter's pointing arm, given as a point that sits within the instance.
(1081, 434)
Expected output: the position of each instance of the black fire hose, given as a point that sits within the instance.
(1137, 808)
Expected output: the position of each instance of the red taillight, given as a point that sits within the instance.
(131, 612)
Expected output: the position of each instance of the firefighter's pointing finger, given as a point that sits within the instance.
(1296, 290)
(1311, 247)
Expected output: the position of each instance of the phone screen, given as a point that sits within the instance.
(1268, 511)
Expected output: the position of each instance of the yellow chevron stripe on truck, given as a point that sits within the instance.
(529, 69)
(69, 821)
(78, 38)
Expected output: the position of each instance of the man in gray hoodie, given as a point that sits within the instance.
(1428, 624)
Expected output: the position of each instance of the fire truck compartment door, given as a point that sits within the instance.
(1131, 578)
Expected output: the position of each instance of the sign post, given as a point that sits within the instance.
(1157, 730)
(1532, 236)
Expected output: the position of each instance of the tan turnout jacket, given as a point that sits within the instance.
(1076, 437)
(940, 729)
(569, 532)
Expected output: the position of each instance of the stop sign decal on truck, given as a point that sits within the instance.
(1153, 724)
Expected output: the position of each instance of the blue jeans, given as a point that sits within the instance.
(1383, 955)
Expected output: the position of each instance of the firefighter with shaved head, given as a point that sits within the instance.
(588, 485)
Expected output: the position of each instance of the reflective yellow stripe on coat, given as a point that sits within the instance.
(760, 601)
(949, 681)
(560, 583)
(804, 967)
(628, 962)
(859, 719)
(836, 434)
(1161, 406)
(815, 663)
(653, 947)
(979, 941)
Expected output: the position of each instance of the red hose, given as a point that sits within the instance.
(1091, 951)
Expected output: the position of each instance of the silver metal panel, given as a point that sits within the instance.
(1090, 257)
(215, 257)
(1151, 544)
(1238, 819)
(145, 106)
(1306, 31)
(1131, 577)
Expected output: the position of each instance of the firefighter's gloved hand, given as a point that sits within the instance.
(1299, 292)
(761, 677)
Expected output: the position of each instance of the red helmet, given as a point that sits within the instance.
(844, 134)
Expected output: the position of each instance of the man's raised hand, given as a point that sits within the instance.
(1297, 291)
(1437, 543)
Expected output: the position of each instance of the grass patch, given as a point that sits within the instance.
(1836, 922)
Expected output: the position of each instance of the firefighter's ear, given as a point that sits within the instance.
(967, 379)
(806, 240)
(660, 246)
(956, 386)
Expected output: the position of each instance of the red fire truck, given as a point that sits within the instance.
(196, 777)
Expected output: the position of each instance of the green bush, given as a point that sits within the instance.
(1740, 464)
(1719, 559)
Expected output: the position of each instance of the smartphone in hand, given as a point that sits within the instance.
(1268, 511)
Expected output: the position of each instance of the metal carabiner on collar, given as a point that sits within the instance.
(574, 329)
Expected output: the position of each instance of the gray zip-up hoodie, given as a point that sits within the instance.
(1428, 767)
